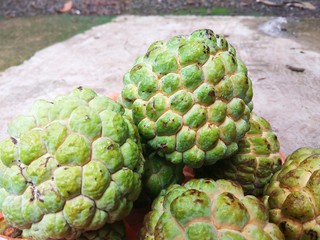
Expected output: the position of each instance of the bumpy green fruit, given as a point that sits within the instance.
(70, 167)
(190, 98)
(159, 174)
(115, 231)
(293, 195)
(255, 162)
(208, 209)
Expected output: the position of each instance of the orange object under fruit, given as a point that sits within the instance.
(2, 221)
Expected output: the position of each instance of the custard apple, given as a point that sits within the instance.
(190, 97)
(254, 163)
(293, 195)
(208, 209)
(159, 174)
(71, 166)
(114, 231)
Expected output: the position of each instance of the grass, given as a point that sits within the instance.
(203, 11)
(20, 38)
(216, 11)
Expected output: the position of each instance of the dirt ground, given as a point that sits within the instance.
(292, 8)
(297, 8)
(99, 58)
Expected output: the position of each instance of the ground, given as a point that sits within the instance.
(22, 37)
(99, 58)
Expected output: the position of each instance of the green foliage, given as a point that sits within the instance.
(202, 11)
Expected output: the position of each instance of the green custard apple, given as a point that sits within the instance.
(190, 97)
(159, 174)
(255, 162)
(71, 166)
(114, 231)
(208, 209)
(293, 195)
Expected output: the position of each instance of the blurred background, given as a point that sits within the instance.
(29, 25)
(49, 47)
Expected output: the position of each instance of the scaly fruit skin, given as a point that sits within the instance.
(115, 231)
(190, 98)
(159, 174)
(293, 195)
(254, 164)
(72, 166)
(208, 209)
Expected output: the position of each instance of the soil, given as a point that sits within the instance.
(285, 8)
(280, 8)
(288, 98)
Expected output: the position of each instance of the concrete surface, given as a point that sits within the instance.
(99, 58)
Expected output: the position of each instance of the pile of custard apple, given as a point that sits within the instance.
(75, 167)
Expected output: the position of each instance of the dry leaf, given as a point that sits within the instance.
(298, 4)
(304, 5)
(270, 3)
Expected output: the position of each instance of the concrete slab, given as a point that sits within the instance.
(99, 58)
